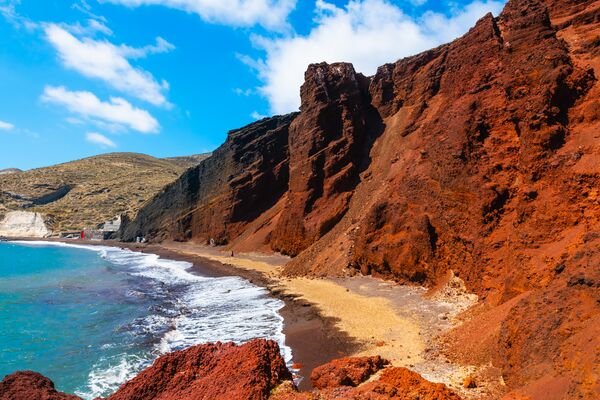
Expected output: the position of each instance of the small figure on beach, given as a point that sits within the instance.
(231, 253)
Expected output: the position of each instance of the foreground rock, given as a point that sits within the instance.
(393, 384)
(252, 371)
(28, 385)
(211, 371)
(349, 371)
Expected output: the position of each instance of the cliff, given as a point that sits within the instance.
(23, 224)
(217, 199)
(479, 157)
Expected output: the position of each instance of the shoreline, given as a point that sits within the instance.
(326, 319)
(314, 339)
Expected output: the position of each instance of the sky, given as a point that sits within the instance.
(172, 77)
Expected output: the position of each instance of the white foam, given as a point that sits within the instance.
(104, 379)
(205, 310)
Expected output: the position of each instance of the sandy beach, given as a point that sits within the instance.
(355, 316)
(326, 319)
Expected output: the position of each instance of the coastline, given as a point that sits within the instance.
(314, 339)
(325, 319)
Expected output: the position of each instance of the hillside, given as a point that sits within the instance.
(85, 193)
(9, 171)
(479, 157)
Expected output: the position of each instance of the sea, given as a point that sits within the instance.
(92, 317)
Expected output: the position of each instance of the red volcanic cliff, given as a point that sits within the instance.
(219, 198)
(327, 145)
(481, 156)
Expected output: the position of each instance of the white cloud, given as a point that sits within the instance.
(6, 126)
(117, 111)
(99, 139)
(161, 46)
(256, 115)
(9, 12)
(103, 60)
(271, 14)
(93, 26)
(367, 33)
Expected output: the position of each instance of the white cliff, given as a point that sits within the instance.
(24, 224)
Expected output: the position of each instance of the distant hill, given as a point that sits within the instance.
(9, 171)
(189, 161)
(87, 192)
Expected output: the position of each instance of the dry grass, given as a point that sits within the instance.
(102, 187)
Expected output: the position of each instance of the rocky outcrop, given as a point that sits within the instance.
(328, 145)
(349, 371)
(251, 371)
(393, 384)
(28, 385)
(215, 200)
(211, 371)
(24, 224)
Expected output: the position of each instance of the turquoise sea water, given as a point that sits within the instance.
(90, 318)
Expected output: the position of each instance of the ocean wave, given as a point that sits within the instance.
(188, 309)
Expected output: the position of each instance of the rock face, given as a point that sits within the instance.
(480, 157)
(327, 146)
(211, 371)
(23, 224)
(28, 385)
(215, 200)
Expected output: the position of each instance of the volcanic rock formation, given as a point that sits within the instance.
(210, 371)
(480, 157)
(252, 371)
(217, 199)
(28, 385)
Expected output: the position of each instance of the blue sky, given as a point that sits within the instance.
(171, 77)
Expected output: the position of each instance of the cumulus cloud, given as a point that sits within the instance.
(99, 139)
(271, 14)
(116, 111)
(6, 126)
(367, 33)
(103, 60)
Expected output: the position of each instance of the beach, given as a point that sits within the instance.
(355, 316)
(325, 319)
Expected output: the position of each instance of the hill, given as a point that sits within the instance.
(85, 193)
(479, 158)
(9, 171)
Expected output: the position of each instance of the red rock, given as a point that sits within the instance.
(401, 383)
(211, 371)
(327, 145)
(215, 200)
(350, 371)
(28, 385)
(480, 156)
